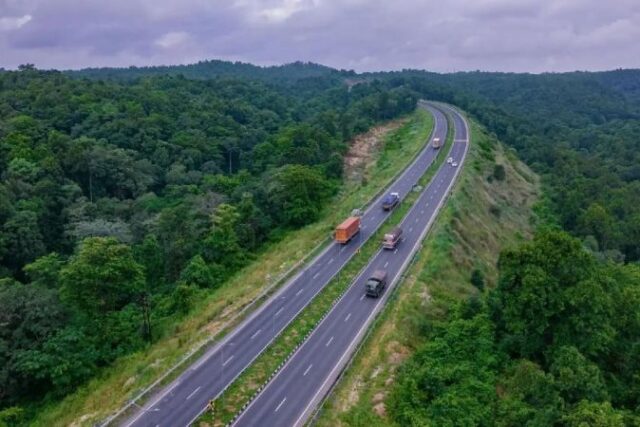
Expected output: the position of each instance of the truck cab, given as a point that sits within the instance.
(392, 238)
(376, 283)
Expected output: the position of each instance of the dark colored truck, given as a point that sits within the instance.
(390, 201)
(391, 239)
(376, 283)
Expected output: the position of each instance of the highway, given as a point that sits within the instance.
(294, 393)
(185, 398)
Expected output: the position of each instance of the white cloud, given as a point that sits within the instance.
(8, 23)
(172, 39)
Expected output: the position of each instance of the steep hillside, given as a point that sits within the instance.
(491, 208)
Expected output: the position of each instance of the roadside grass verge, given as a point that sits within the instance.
(259, 373)
(115, 385)
(482, 216)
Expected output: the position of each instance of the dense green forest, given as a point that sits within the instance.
(580, 131)
(557, 342)
(122, 200)
(126, 193)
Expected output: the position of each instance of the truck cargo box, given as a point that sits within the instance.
(349, 228)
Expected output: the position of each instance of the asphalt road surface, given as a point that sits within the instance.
(183, 400)
(292, 395)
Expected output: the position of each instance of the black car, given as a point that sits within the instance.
(390, 201)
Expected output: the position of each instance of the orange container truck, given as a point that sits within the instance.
(349, 228)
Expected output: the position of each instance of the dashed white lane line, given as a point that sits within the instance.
(315, 276)
(410, 229)
(362, 297)
(396, 251)
(422, 212)
(279, 311)
(227, 361)
(329, 342)
(417, 220)
(347, 318)
(306, 371)
(281, 403)
(299, 292)
(385, 264)
(256, 334)
(330, 261)
(193, 393)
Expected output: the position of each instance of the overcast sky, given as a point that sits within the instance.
(365, 35)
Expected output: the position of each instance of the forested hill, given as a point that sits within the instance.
(122, 201)
(580, 131)
(280, 74)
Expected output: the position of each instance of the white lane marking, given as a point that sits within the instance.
(329, 342)
(193, 392)
(306, 371)
(422, 212)
(299, 292)
(347, 318)
(281, 403)
(396, 251)
(228, 360)
(279, 311)
(315, 276)
(410, 229)
(362, 297)
(363, 227)
(256, 334)
(330, 261)
(417, 220)
(385, 264)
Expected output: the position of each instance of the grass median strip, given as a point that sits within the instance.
(251, 381)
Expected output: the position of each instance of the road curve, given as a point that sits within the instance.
(185, 398)
(292, 395)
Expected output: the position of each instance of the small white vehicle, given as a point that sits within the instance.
(454, 164)
(449, 160)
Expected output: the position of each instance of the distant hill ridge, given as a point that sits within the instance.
(217, 68)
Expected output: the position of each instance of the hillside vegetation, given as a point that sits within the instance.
(391, 152)
(122, 204)
(483, 215)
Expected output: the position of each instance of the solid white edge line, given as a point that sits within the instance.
(285, 287)
(366, 324)
(323, 320)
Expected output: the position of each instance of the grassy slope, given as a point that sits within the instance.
(247, 385)
(104, 394)
(467, 235)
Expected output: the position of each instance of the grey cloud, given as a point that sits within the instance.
(508, 35)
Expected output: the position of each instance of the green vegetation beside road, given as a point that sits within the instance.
(241, 391)
(482, 216)
(212, 310)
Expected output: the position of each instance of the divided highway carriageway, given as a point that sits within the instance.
(293, 394)
(185, 398)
